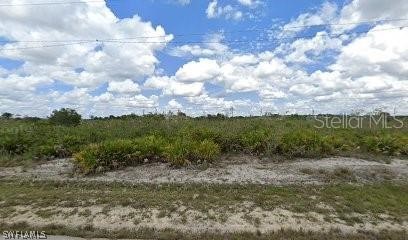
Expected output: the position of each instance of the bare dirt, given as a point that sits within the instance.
(240, 169)
(241, 218)
(231, 170)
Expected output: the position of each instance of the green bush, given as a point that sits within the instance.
(72, 144)
(386, 144)
(14, 144)
(108, 155)
(151, 147)
(65, 117)
(180, 141)
(178, 152)
(255, 141)
(229, 142)
(304, 144)
(44, 151)
(206, 150)
(199, 134)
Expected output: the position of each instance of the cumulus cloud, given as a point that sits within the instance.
(327, 13)
(198, 71)
(212, 47)
(83, 65)
(305, 50)
(174, 105)
(211, 105)
(366, 10)
(249, 3)
(127, 86)
(227, 11)
(324, 72)
(170, 86)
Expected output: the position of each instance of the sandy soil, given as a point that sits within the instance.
(235, 169)
(244, 217)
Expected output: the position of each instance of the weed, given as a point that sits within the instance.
(187, 140)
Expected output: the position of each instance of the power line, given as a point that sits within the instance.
(202, 34)
(54, 3)
(256, 40)
(276, 40)
(44, 46)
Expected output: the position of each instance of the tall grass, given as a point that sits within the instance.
(184, 140)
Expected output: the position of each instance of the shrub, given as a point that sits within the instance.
(206, 150)
(304, 144)
(14, 144)
(255, 141)
(385, 144)
(65, 117)
(108, 155)
(151, 147)
(177, 152)
(46, 151)
(199, 134)
(72, 144)
(6, 115)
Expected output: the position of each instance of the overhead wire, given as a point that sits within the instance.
(275, 40)
(265, 30)
(54, 3)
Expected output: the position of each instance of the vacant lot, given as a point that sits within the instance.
(107, 144)
(152, 177)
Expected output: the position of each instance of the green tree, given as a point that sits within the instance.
(7, 115)
(66, 117)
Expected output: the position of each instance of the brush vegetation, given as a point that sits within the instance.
(111, 143)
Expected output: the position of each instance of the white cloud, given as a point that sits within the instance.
(362, 70)
(174, 105)
(327, 13)
(366, 10)
(211, 47)
(248, 2)
(17, 83)
(210, 104)
(184, 2)
(170, 86)
(212, 9)
(85, 66)
(227, 11)
(202, 70)
(303, 50)
(384, 53)
(127, 86)
(110, 62)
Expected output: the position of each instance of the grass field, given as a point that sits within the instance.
(50, 201)
(179, 140)
(349, 202)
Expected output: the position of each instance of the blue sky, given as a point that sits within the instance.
(203, 56)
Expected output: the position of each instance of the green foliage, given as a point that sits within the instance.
(117, 153)
(386, 144)
(206, 150)
(65, 117)
(183, 141)
(304, 144)
(44, 151)
(151, 147)
(108, 155)
(177, 153)
(6, 115)
(255, 141)
(14, 144)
